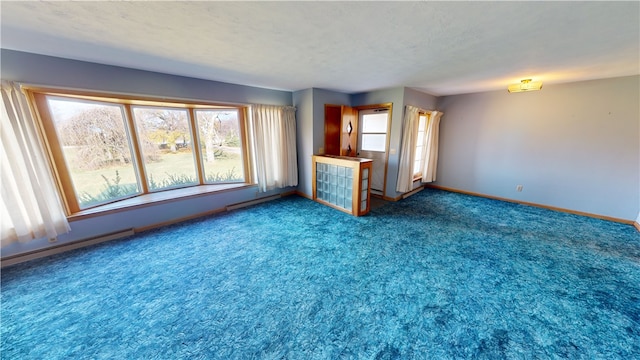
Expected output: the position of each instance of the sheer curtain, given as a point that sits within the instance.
(273, 130)
(30, 207)
(431, 145)
(408, 149)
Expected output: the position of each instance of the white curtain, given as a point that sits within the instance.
(274, 138)
(30, 207)
(408, 149)
(431, 147)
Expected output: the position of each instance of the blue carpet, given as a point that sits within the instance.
(436, 276)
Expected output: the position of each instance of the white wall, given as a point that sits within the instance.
(57, 72)
(573, 146)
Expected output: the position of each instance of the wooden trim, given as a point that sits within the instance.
(139, 167)
(155, 198)
(247, 155)
(63, 178)
(554, 208)
(389, 108)
(414, 191)
(388, 105)
(33, 105)
(54, 149)
(301, 194)
(195, 145)
(359, 211)
(347, 211)
(358, 165)
(636, 225)
(314, 179)
(387, 148)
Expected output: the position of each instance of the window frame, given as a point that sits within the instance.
(38, 102)
(243, 121)
(143, 168)
(427, 115)
(363, 133)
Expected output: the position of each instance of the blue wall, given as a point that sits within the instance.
(73, 74)
(62, 73)
(317, 98)
(303, 101)
(574, 146)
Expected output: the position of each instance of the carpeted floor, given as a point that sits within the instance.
(436, 276)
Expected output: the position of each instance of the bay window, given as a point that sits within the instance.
(105, 149)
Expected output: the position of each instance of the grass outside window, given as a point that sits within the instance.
(107, 149)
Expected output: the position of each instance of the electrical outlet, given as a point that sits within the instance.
(518, 188)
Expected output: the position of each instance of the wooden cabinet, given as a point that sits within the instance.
(343, 183)
(340, 130)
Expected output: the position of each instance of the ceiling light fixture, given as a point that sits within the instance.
(525, 85)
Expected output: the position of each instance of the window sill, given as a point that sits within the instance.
(154, 199)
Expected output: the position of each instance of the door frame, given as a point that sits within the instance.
(389, 108)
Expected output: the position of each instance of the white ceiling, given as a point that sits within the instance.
(441, 48)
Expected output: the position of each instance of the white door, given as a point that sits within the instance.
(373, 127)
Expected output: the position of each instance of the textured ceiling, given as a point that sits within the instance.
(441, 48)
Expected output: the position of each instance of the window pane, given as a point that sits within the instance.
(374, 123)
(420, 139)
(220, 145)
(165, 142)
(418, 159)
(374, 142)
(416, 167)
(96, 149)
(421, 124)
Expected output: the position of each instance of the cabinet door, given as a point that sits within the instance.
(349, 138)
(332, 129)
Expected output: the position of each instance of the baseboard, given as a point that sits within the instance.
(569, 211)
(252, 202)
(36, 254)
(412, 192)
(389, 198)
(303, 195)
(637, 226)
(32, 255)
(179, 220)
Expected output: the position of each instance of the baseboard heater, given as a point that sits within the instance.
(36, 254)
(253, 202)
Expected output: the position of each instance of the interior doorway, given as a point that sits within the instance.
(372, 144)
